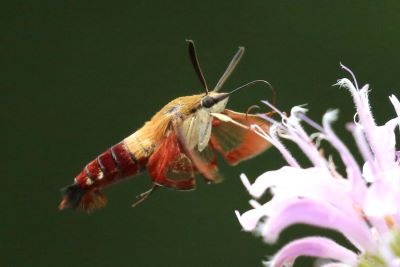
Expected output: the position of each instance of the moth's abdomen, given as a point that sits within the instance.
(113, 165)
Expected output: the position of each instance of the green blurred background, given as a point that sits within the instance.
(78, 76)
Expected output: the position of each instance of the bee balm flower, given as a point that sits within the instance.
(363, 204)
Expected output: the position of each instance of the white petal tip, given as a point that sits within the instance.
(394, 101)
(254, 203)
(343, 82)
(237, 213)
(330, 115)
(268, 263)
(246, 226)
(270, 240)
(245, 181)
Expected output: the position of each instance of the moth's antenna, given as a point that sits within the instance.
(196, 65)
(232, 65)
(258, 81)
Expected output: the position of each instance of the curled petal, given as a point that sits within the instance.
(312, 183)
(351, 73)
(381, 139)
(287, 177)
(291, 128)
(360, 97)
(297, 111)
(364, 148)
(296, 133)
(315, 213)
(274, 140)
(274, 108)
(315, 247)
(352, 169)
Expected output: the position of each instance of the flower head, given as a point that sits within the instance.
(363, 204)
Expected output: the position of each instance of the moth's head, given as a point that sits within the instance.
(212, 100)
(215, 102)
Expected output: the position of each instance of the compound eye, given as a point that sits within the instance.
(207, 102)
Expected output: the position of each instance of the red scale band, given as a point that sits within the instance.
(113, 164)
(81, 178)
(124, 159)
(107, 164)
(93, 170)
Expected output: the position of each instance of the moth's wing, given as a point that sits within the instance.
(234, 142)
(189, 132)
(170, 166)
(205, 162)
(196, 130)
(204, 125)
(194, 135)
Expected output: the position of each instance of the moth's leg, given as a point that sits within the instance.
(144, 195)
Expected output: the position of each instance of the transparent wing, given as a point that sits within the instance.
(204, 123)
(189, 133)
(196, 130)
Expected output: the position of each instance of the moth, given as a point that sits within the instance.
(180, 140)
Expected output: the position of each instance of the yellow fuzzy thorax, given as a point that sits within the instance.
(143, 141)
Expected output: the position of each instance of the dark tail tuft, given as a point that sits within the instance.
(72, 196)
(76, 197)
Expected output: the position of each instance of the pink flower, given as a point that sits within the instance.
(363, 204)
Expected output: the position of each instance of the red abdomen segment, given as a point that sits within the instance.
(109, 167)
(115, 163)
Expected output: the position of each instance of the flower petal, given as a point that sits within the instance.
(352, 169)
(312, 183)
(250, 219)
(273, 139)
(316, 213)
(396, 104)
(315, 247)
(336, 264)
(360, 97)
(287, 177)
(363, 147)
(387, 143)
(296, 133)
